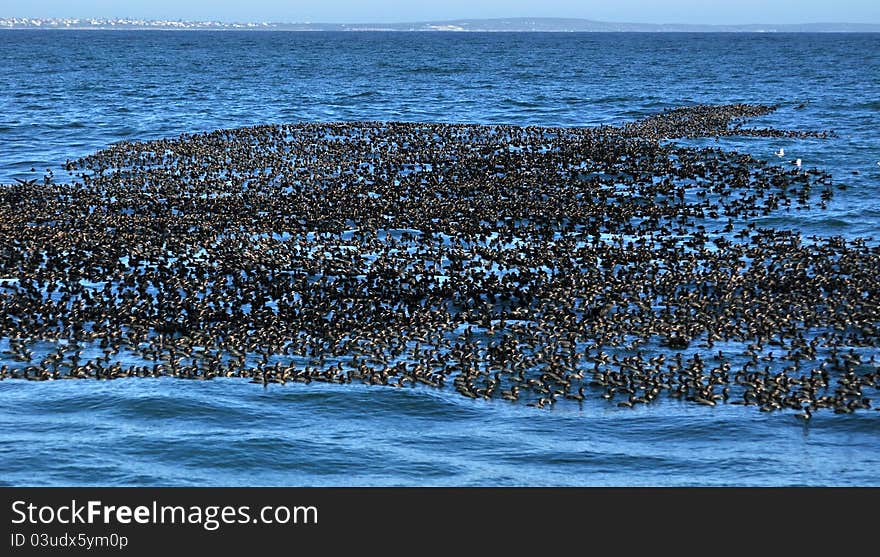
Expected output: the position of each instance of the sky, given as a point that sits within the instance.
(382, 11)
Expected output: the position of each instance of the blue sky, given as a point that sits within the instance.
(359, 11)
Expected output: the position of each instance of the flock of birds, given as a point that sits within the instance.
(525, 264)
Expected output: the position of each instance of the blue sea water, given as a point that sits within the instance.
(64, 94)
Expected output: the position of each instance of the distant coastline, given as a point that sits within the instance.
(522, 24)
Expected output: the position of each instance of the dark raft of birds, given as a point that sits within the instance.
(531, 264)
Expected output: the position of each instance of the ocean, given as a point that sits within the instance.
(66, 94)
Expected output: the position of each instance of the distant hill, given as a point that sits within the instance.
(517, 24)
(550, 24)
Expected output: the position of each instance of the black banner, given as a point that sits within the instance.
(157, 521)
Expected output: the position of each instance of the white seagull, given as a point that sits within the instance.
(780, 152)
(797, 163)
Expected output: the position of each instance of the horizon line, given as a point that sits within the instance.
(433, 22)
